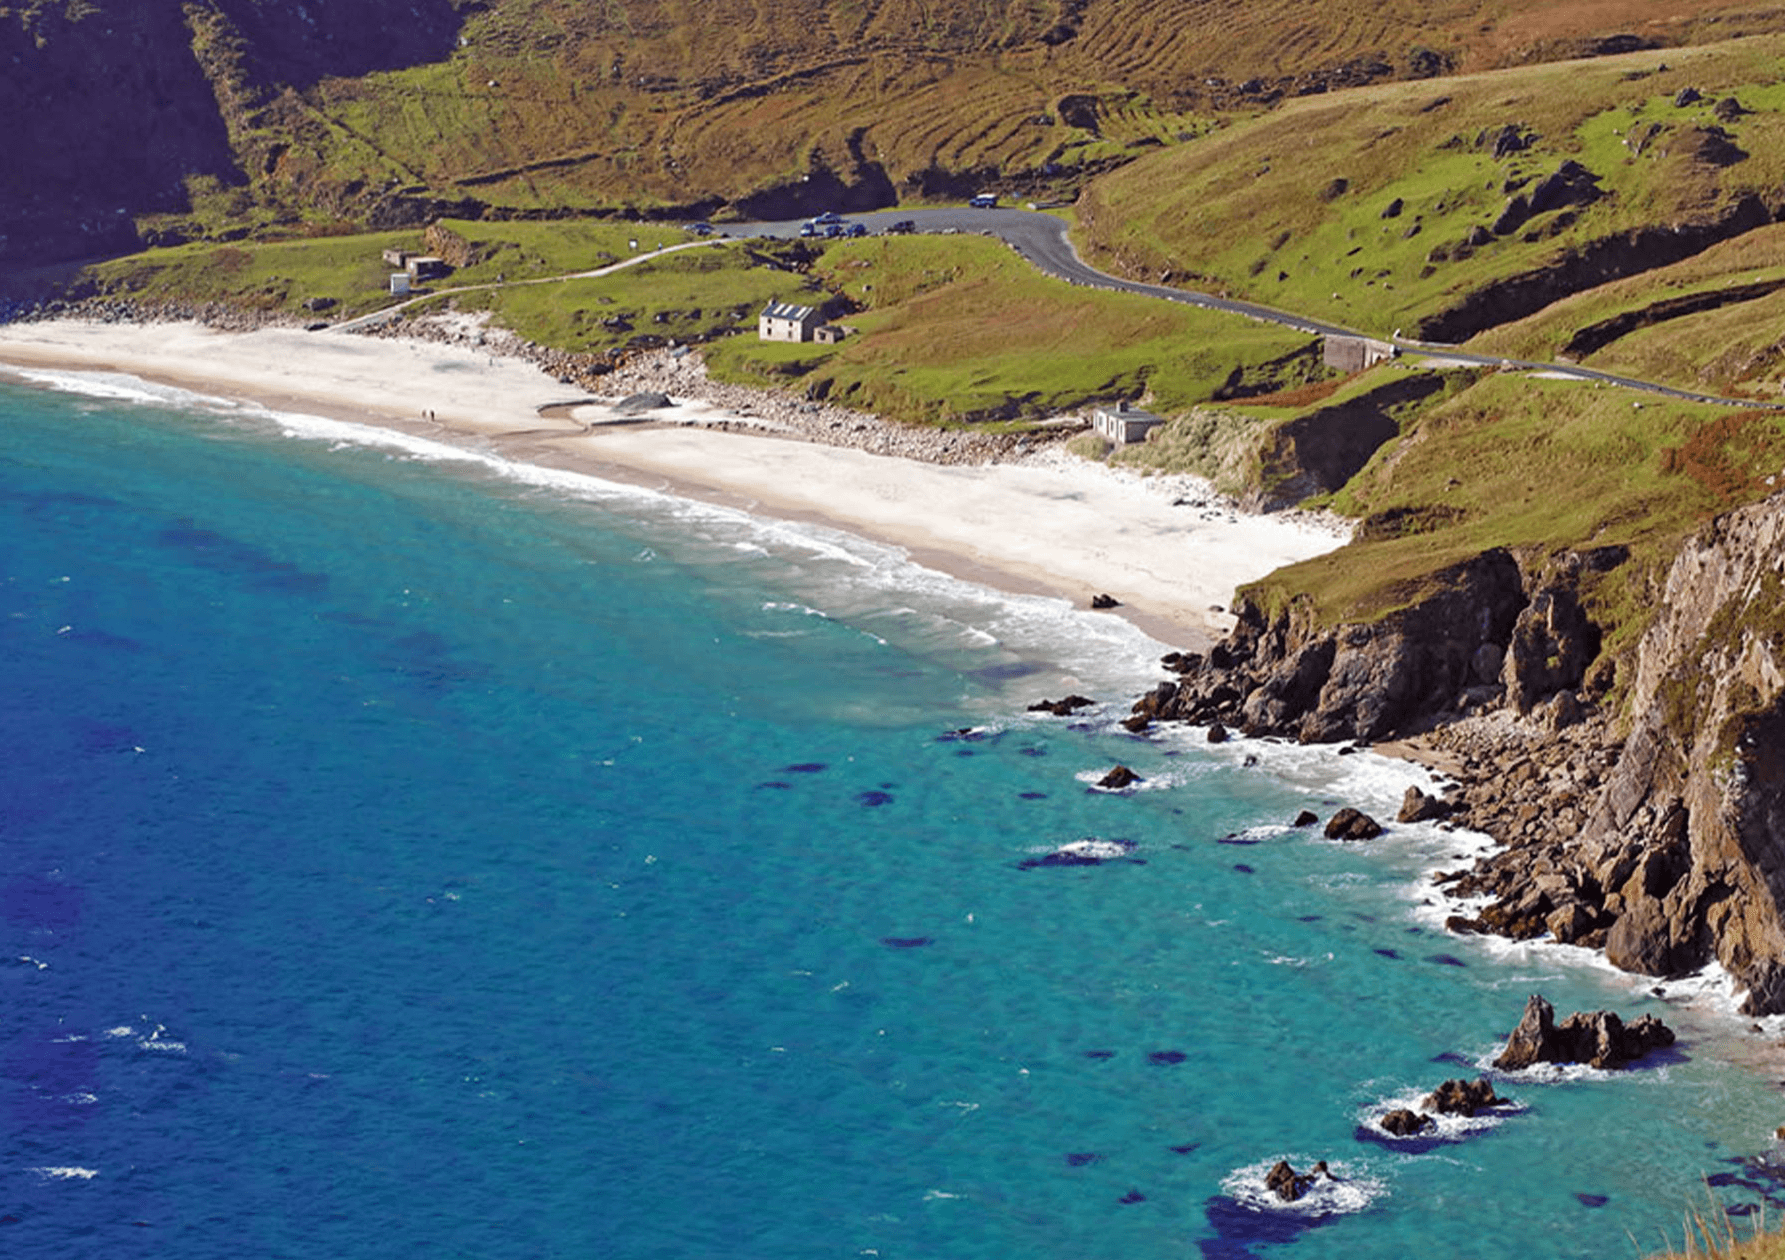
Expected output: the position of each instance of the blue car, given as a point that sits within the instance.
(829, 216)
(855, 229)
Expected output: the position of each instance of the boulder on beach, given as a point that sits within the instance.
(1352, 824)
(1416, 806)
(1120, 777)
(1105, 601)
(1599, 1039)
(638, 404)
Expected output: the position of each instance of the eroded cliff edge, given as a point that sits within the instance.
(1645, 817)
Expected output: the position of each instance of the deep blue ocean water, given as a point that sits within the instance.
(406, 855)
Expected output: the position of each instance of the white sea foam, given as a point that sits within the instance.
(1447, 1127)
(122, 1030)
(65, 1172)
(1354, 1189)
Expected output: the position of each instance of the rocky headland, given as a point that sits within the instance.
(1638, 797)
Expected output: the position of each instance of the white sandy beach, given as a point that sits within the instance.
(1050, 525)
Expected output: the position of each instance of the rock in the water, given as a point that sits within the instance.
(1352, 824)
(1105, 601)
(1463, 1098)
(1289, 1185)
(1062, 708)
(1404, 1123)
(1416, 806)
(1307, 818)
(1120, 777)
(1217, 734)
(1599, 1039)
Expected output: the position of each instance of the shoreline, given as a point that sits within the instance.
(1034, 525)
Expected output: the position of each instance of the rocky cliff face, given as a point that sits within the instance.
(1665, 847)
(125, 101)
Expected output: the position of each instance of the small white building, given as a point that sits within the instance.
(783, 321)
(399, 284)
(1123, 424)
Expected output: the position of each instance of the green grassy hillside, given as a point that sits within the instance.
(1412, 205)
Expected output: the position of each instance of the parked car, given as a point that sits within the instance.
(831, 229)
(809, 229)
(985, 201)
(855, 229)
(903, 227)
(701, 229)
(829, 216)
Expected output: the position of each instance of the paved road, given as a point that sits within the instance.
(1042, 239)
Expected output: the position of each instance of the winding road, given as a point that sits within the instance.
(1042, 239)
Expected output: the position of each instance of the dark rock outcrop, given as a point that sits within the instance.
(1463, 1098)
(1062, 708)
(1352, 824)
(1119, 778)
(1404, 1123)
(1285, 674)
(1289, 1185)
(1599, 1039)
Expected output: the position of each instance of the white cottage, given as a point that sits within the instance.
(783, 321)
(1123, 424)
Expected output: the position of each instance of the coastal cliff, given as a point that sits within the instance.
(1646, 819)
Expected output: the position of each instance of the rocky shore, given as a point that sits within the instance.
(1644, 817)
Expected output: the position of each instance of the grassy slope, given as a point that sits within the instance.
(949, 328)
(957, 327)
(1733, 350)
(1254, 209)
(1481, 470)
(662, 102)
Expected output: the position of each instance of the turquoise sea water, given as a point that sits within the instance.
(406, 855)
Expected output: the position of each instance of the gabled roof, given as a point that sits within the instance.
(787, 310)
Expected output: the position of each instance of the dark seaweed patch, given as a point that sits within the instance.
(774, 783)
(872, 799)
(1078, 1159)
(1186, 1149)
(1100, 1054)
(805, 767)
(1166, 1058)
(1133, 1196)
(1446, 960)
(1032, 796)
(1591, 1200)
(1233, 837)
(1033, 751)
(1242, 868)
(907, 942)
(1389, 953)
